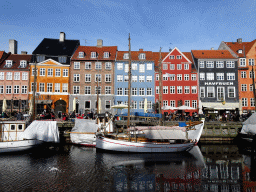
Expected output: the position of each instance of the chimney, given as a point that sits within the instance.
(140, 49)
(13, 46)
(62, 36)
(24, 52)
(239, 40)
(212, 48)
(99, 42)
(170, 49)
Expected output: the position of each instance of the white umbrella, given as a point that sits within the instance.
(168, 108)
(74, 104)
(184, 107)
(121, 106)
(99, 105)
(145, 105)
(30, 107)
(4, 107)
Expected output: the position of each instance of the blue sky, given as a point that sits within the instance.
(186, 24)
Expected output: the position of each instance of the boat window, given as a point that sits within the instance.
(19, 127)
(12, 127)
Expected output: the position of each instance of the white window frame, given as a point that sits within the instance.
(50, 72)
(23, 63)
(202, 76)
(201, 64)
(193, 77)
(87, 77)
(141, 91)
(57, 87)
(76, 90)
(186, 89)
(76, 65)
(57, 72)
(88, 65)
(24, 75)
(219, 64)
(186, 66)
(179, 77)
(193, 89)
(65, 72)
(16, 75)
(231, 76)
(244, 102)
(42, 72)
(208, 91)
(172, 103)
(98, 65)
(142, 56)
(107, 78)
(141, 78)
(172, 57)
(87, 90)
(107, 90)
(179, 67)
(87, 101)
(141, 105)
(8, 75)
(106, 55)
(134, 66)
(119, 78)
(186, 77)
(251, 62)
(243, 74)
(219, 90)
(97, 77)
(172, 89)
(230, 64)
(149, 91)
(119, 91)
(149, 78)
(149, 66)
(119, 66)
(16, 89)
(141, 68)
(179, 89)
(179, 57)
(209, 76)
(231, 92)
(49, 88)
(202, 91)
(108, 65)
(76, 77)
(172, 66)
(8, 89)
(93, 54)
(81, 54)
(41, 87)
(209, 64)
(24, 89)
(219, 76)
(1, 75)
(64, 87)
(243, 87)
(242, 62)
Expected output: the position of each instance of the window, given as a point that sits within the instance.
(81, 54)
(194, 104)
(9, 76)
(240, 51)
(106, 55)
(40, 58)
(63, 59)
(16, 89)
(165, 103)
(87, 104)
(50, 72)
(186, 66)
(179, 77)
(65, 72)
(230, 64)
(165, 77)
(194, 89)
(230, 76)
(134, 66)
(210, 76)
(134, 78)
(251, 87)
(42, 71)
(149, 78)
(219, 76)
(252, 102)
(172, 57)
(76, 77)
(108, 65)
(165, 89)
(76, 65)
(202, 92)
(172, 77)
(8, 63)
(210, 92)
(179, 67)
(193, 77)
(134, 91)
(98, 78)
(142, 56)
(165, 66)
(49, 87)
(157, 77)
(64, 87)
(23, 64)
(126, 56)
(88, 65)
(108, 78)
(172, 66)
(76, 89)
(244, 102)
(24, 76)
(209, 64)
(1, 75)
(41, 87)
(149, 66)
(141, 78)
(119, 91)
(243, 74)
(120, 78)
(142, 68)
(172, 103)
(87, 90)
(8, 89)
(242, 62)
(32, 87)
(186, 77)
(119, 66)
(108, 90)
(157, 89)
(98, 65)
(219, 64)
(231, 92)
(125, 91)
(126, 78)
(107, 104)
(141, 105)
(149, 104)
(57, 72)
(202, 76)
(57, 87)
(201, 64)
(179, 89)
(250, 74)
(251, 62)
(149, 91)
(172, 89)
(179, 57)
(24, 89)
(243, 87)
(187, 103)
(220, 94)
(142, 91)
(134, 105)
(186, 89)
(126, 68)
(93, 54)
(16, 75)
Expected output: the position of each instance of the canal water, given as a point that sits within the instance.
(209, 167)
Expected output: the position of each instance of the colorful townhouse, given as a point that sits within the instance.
(245, 52)
(142, 81)
(52, 75)
(218, 81)
(14, 78)
(92, 78)
(179, 81)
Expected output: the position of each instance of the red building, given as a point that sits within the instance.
(179, 81)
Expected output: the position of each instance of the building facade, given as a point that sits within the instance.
(92, 69)
(142, 82)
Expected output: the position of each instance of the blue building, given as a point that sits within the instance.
(142, 82)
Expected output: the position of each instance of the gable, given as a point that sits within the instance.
(176, 52)
(51, 62)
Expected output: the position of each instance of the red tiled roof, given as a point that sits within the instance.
(1, 54)
(134, 55)
(245, 46)
(212, 54)
(156, 57)
(16, 58)
(99, 50)
(189, 56)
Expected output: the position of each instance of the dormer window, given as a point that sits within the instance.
(8, 63)
(106, 54)
(240, 51)
(81, 54)
(179, 57)
(63, 59)
(142, 56)
(40, 58)
(23, 64)
(172, 57)
(126, 56)
(93, 54)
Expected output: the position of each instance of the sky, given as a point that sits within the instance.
(186, 24)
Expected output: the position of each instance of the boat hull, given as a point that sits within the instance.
(18, 146)
(140, 147)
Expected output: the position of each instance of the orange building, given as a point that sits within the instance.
(52, 81)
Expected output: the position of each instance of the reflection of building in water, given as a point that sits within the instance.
(223, 171)
(249, 182)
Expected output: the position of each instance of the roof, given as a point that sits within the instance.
(2, 54)
(135, 55)
(99, 50)
(245, 46)
(16, 58)
(55, 48)
(212, 54)
(156, 57)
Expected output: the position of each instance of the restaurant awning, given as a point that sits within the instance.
(43, 101)
(220, 106)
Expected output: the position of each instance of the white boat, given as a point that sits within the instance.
(249, 129)
(16, 137)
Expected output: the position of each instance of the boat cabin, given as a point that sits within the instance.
(12, 130)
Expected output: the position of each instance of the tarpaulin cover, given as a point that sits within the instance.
(249, 126)
(165, 134)
(43, 130)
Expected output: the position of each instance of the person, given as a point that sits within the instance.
(73, 115)
(52, 115)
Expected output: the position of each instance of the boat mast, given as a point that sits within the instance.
(129, 84)
(33, 103)
(160, 87)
